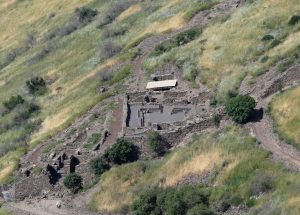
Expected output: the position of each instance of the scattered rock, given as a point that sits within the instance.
(96, 147)
(102, 89)
(52, 155)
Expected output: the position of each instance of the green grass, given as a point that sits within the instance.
(234, 160)
(286, 114)
(198, 8)
(73, 65)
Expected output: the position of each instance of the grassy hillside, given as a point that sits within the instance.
(71, 45)
(286, 113)
(51, 43)
(235, 166)
(247, 42)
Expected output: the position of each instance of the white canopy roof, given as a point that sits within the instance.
(161, 84)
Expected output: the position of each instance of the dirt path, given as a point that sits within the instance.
(263, 91)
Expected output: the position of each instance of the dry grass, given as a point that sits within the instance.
(172, 23)
(119, 186)
(130, 11)
(233, 48)
(17, 17)
(286, 113)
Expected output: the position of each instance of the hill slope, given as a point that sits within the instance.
(79, 47)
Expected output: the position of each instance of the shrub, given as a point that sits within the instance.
(36, 86)
(200, 209)
(156, 143)
(261, 183)
(267, 37)
(147, 203)
(240, 108)
(73, 181)
(171, 201)
(13, 102)
(99, 165)
(217, 119)
(122, 152)
(294, 20)
(84, 15)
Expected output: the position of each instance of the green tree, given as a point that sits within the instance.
(240, 107)
(122, 152)
(73, 181)
(156, 143)
(99, 165)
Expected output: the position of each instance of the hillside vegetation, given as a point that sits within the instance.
(285, 111)
(53, 41)
(234, 167)
(54, 56)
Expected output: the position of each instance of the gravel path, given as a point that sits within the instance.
(263, 91)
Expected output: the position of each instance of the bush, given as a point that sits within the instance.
(294, 20)
(84, 15)
(261, 183)
(200, 209)
(36, 86)
(217, 119)
(13, 102)
(170, 201)
(73, 181)
(267, 37)
(99, 165)
(240, 108)
(121, 74)
(156, 143)
(122, 152)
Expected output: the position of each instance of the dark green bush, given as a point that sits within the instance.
(267, 37)
(99, 165)
(171, 201)
(73, 181)
(294, 20)
(36, 86)
(240, 107)
(122, 152)
(13, 102)
(200, 209)
(156, 143)
(85, 14)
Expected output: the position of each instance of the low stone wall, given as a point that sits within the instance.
(285, 79)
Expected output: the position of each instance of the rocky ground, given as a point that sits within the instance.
(261, 126)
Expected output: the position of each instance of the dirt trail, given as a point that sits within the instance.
(263, 91)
